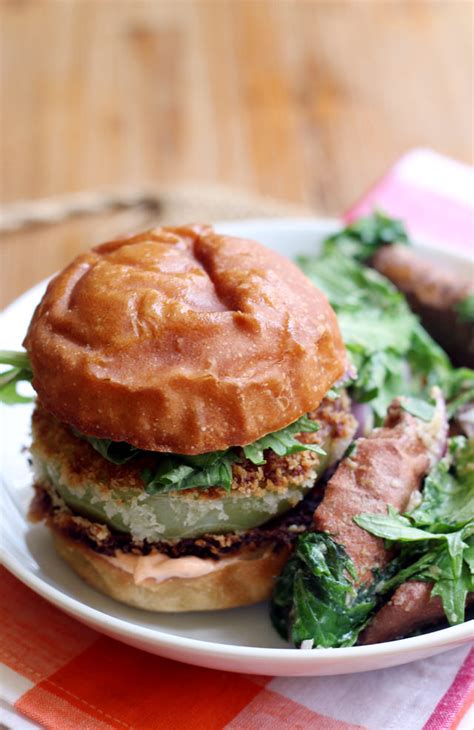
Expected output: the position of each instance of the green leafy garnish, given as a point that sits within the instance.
(117, 452)
(393, 353)
(361, 239)
(440, 529)
(460, 390)
(214, 469)
(448, 494)
(394, 526)
(178, 473)
(315, 597)
(16, 358)
(18, 373)
(283, 442)
(418, 408)
(443, 565)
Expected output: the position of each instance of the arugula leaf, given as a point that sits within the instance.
(9, 379)
(214, 469)
(453, 595)
(444, 517)
(174, 474)
(460, 390)
(448, 494)
(411, 562)
(469, 556)
(16, 358)
(452, 583)
(394, 527)
(283, 442)
(117, 452)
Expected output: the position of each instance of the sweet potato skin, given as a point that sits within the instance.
(434, 294)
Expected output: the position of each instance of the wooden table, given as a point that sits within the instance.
(305, 101)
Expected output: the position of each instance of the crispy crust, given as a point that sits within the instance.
(243, 582)
(80, 464)
(279, 533)
(182, 340)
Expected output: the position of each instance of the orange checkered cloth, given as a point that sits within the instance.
(58, 674)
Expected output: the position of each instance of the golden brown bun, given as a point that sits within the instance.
(182, 340)
(246, 581)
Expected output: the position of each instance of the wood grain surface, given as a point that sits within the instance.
(305, 101)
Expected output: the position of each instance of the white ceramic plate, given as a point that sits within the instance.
(240, 640)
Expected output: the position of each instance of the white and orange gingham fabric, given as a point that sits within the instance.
(56, 673)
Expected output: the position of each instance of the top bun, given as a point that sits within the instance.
(182, 340)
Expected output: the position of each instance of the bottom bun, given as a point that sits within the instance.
(247, 579)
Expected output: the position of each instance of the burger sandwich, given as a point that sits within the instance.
(184, 414)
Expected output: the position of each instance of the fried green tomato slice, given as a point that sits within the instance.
(115, 495)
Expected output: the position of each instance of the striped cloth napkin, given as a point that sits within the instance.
(60, 674)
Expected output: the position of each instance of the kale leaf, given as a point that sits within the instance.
(315, 598)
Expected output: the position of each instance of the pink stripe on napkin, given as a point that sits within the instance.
(433, 194)
(448, 708)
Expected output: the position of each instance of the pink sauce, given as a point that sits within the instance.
(159, 567)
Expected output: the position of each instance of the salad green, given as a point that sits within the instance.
(176, 472)
(317, 598)
(179, 472)
(393, 353)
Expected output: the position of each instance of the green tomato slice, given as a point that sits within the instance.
(174, 516)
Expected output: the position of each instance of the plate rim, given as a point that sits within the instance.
(448, 637)
(452, 635)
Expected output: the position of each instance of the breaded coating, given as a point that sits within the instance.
(80, 465)
(279, 533)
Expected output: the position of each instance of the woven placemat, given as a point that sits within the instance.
(166, 204)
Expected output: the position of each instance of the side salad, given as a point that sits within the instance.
(318, 599)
